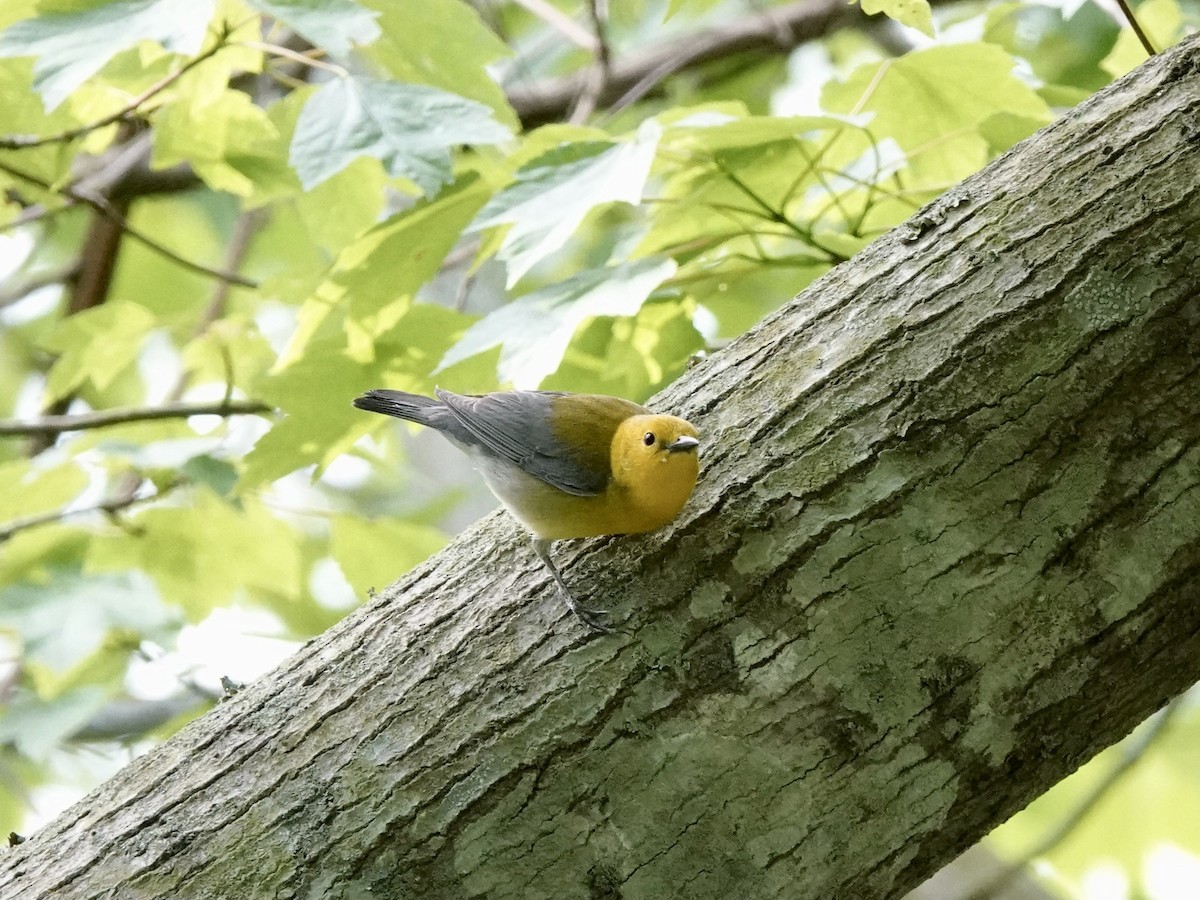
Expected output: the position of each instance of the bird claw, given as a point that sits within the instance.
(592, 618)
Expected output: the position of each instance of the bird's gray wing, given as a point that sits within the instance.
(517, 426)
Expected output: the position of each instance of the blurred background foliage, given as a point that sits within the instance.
(223, 219)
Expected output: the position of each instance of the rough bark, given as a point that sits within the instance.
(946, 546)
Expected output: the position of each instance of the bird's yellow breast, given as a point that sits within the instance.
(647, 488)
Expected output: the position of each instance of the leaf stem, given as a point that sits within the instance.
(1137, 28)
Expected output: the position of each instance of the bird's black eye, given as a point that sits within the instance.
(648, 439)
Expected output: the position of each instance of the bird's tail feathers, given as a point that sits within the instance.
(412, 407)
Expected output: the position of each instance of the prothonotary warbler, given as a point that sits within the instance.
(564, 465)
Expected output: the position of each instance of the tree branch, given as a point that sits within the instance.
(111, 506)
(105, 208)
(600, 72)
(637, 74)
(560, 22)
(16, 291)
(52, 425)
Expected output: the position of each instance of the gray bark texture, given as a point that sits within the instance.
(945, 547)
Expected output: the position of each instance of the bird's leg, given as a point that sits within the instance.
(592, 618)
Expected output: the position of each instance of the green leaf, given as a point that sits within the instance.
(535, 330)
(410, 128)
(204, 555)
(631, 357)
(231, 351)
(913, 13)
(373, 553)
(97, 345)
(707, 131)
(71, 47)
(15, 10)
(216, 474)
(30, 489)
(230, 141)
(315, 391)
(933, 102)
(1063, 52)
(35, 555)
(376, 277)
(333, 25)
(36, 726)
(465, 47)
(554, 192)
(66, 624)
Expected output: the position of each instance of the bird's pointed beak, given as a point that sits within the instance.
(683, 444)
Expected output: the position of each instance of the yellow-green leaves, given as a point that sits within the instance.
(229, 141)
(409, 128)
(914, 13)
(535, 330)
(96, 346)
(70, 47)
(371, 551)
(552, 194)
(30, 490)
(933, 102)
(1161, 20)
(205, 554)
(374, 280)
(336, 25)
(78, 632)
(440, 43)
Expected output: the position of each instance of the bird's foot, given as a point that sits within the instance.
(592, 618)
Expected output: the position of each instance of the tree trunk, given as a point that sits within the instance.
(946, 546)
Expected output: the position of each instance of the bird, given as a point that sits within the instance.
(564, 465)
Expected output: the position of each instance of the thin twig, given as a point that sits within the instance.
(50, 425)
(560, 22)
(601, 70)
(775, 215)
(244, 230)
(1131, 754)
(295, 56)
(34, 213)
(105, 209)
(25, 142)
(109, 507)
(14, 293)
(1137, 28)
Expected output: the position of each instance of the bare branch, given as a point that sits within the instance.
(310, 58)
(109, 507)
(601, 70)
(17, 291)
(51, 425)
(638, 73)
(106, 209)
